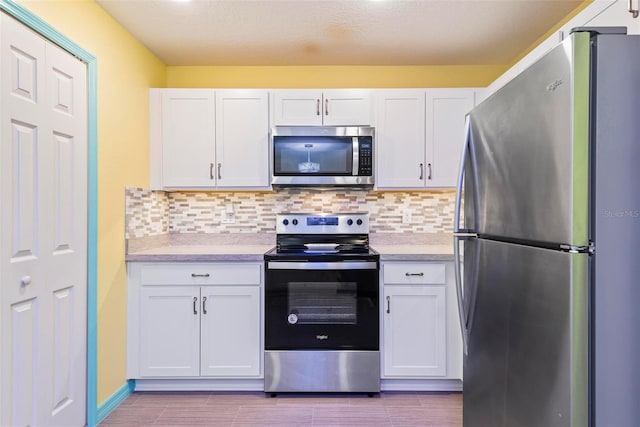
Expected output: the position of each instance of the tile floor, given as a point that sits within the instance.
(259, 409)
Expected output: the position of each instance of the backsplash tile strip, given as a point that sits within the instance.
(255, 212)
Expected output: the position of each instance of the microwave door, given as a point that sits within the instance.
(317, 155)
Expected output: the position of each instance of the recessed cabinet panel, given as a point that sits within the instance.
(415, 273)
(188, 137)
(338, 107)
(170, 321)
(414, 331)
(400, 138)
(242, 138)
(231, 344)
(446, 111)
(189, 273)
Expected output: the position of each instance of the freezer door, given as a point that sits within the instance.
(529, 145)
(527, 361)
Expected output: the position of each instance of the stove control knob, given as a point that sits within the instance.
(349, 221)
(294, 222)
(359, 222)
(285, 221)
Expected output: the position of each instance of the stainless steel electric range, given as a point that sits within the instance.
(321, 306)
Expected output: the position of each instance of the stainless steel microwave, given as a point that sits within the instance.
(322, 156)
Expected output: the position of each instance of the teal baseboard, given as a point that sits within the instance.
(114, 400)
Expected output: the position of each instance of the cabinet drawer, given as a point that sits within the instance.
(414, 273)
(200, 274)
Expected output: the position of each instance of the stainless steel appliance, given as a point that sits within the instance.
(551, 289)
(320, 156)
(321, 306)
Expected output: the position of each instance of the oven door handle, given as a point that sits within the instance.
(342, 265)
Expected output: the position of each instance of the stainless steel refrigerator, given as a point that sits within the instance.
(549, 286)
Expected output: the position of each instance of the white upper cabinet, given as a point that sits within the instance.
(400, 146)
(446, 110)
(188, 137)
(242, 138)
(419, 136)
(338, 107)
(204, 138)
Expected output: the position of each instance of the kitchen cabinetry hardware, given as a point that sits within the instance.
(414, 274)
(204, 305)
(421, 171)
(219, 170)
(326, 107)
(211, 170)
(429, 173)
(200, 275)
(388, 304)
(195, 308)
(26, 280)
(632, 11)
(317, 107)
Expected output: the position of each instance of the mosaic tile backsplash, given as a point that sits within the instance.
(255, 212)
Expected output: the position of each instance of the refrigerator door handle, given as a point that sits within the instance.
(461, 314)
(459, 188)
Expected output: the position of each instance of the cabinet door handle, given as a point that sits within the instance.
(429, 173)
(200, 275)
(414, 274)
(195, 307)
(204, 305)
(219, 170)
(421, 171)
(317, 107)
(211, 170)
(388, 304)
(326, 107)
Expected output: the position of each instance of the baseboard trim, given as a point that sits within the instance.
(199, 385)
(114, 400)
(420, 385)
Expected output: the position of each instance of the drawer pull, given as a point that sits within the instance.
(200, 275)
(195, 308)
(388, 304)
(204, 305)
(414, 274)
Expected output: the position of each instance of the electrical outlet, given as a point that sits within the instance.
(406, 217)
(228, 215)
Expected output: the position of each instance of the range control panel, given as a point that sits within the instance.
(346, 223)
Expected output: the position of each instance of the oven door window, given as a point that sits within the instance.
(323, 303)
(321, 309)
(313, 155)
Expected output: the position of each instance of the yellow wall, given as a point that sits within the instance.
(333, 76)
(126, 71)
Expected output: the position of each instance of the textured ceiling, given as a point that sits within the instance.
(346, 32)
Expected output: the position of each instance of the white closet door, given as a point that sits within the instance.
(43, 236)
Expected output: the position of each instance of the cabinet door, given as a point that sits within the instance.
(400, 139)
(446, 110)
(169, 331)
(188, 138)
(414, 331)
(242, 138)
(297, 108)
(347, 107)
(231, 339)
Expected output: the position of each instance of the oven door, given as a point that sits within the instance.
(321, 305)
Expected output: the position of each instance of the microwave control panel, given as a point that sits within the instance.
(365, 155)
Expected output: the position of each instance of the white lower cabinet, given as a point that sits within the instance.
(414, 331)
(420, 331)
(194, 320)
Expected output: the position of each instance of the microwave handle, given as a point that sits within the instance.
(355, 142)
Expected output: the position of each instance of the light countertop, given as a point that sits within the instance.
(251, 247)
